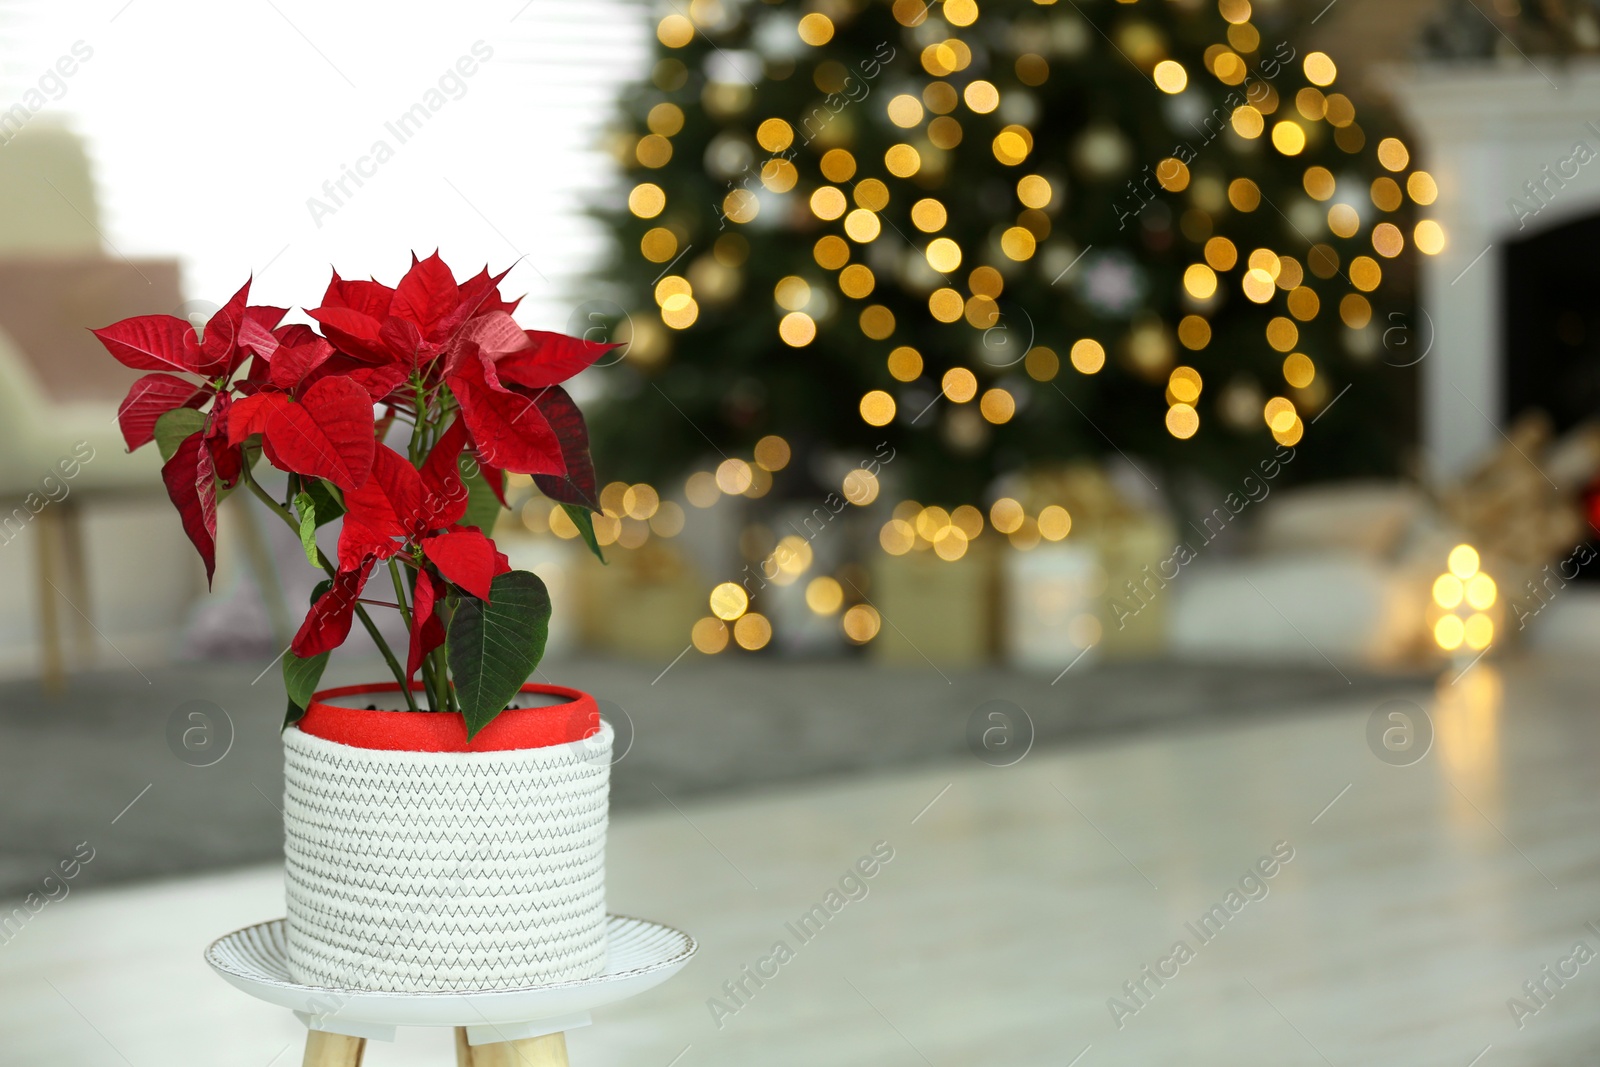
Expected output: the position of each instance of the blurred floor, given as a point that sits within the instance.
(1417, 901)
(69, 766)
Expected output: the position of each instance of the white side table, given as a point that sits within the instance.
(494, 1028)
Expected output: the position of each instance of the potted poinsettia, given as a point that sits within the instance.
(444, 830)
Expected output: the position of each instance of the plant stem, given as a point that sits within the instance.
(323, 561)
(418, 439)
(449, 612)
(435, 676)
(405, 615)
(400, 593)
(388, 657)
(441, 667)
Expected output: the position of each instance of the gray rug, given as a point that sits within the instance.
(109, 763)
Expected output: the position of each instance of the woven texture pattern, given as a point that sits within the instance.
(438, 871)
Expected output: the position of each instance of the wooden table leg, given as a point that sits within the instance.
(332, 1050)
(547, 1051)
(47, 531)
(75, 578)
(463, 1050)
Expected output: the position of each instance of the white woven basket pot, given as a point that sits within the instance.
(429, 871)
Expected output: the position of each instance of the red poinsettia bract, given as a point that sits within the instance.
(479, 396)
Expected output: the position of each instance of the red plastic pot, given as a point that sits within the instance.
(341, 715)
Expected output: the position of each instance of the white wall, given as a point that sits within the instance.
(212, 125)
(1485, 132)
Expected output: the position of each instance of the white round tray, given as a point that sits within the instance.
(640, 954)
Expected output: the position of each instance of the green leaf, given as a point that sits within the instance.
(585, 523)
(483, 507)
(173, 426)
(308, 526)
(494, 645)
(300, 678)
(328, 500)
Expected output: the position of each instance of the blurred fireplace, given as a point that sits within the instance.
(1550, 338)
(1512, 321)
(1550, 307)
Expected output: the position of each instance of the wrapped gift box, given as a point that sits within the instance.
(1053, 604)
(936, 611)
(1133, 550)
(643, 605)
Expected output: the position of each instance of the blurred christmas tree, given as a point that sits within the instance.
(1003, 238)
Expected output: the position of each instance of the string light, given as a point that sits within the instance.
(772, 453)
(1170, 77)
(959, 385)
(1054, 523)
(1320, 69)
(729, 601)
(733, 476)
(709, 635)
(1200, 281)
(862, 623)
(1464, 589)
(646, 200)
(1042, 364)
(997, 406)
(816, 29)
(752, 631)
(675, 31)
(877, 408)
(1088, 356)
(702, 489)
(797, 329)
(1006, 515)
(1429, 237)
(824, 595)
(1421, 187)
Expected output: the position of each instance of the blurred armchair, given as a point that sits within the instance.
(59, 391)
(59, 441)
